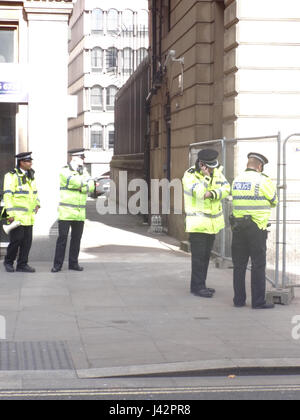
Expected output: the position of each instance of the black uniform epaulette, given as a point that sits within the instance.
(12, 172)
(192, 170)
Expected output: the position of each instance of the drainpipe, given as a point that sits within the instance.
(154, 41)
(168, 127)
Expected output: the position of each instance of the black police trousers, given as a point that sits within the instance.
(20, 241)
(76, 234)
(201, 247)
(249, 243)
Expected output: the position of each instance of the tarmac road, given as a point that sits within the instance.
(162, 401)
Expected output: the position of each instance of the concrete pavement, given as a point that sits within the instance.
(130, 313)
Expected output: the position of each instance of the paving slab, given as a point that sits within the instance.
(130, 311)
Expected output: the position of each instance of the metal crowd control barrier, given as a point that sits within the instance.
(233, 157)
(291, 212)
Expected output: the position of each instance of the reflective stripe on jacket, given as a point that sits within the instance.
(254, 194)
(74, 189)
(20, 199)
(204, 215)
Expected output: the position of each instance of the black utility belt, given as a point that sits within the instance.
(240, 223)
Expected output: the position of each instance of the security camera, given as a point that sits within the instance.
(170, 56)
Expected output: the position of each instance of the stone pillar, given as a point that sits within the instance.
(262, 67)
(47, 107)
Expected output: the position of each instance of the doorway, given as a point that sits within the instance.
(7, 139)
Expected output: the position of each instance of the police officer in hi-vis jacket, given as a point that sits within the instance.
(253, 197)
(75, 185)
(21, 205)
(204, 188)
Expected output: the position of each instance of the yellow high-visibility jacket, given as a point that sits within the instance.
(204, 215)
(20, 197)
(254, 194)
(74, 190)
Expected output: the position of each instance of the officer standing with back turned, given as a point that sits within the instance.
(75, 185)
(253, 195)
(21, 204)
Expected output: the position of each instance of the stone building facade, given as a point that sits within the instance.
(109, 39)
(33, 93)
(220, 69)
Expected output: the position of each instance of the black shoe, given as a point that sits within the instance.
(55, 269)
(236, 305)
(211, 290)
(9, 267)
(265, 306)
(76, 268)
(203, 293)
(26, 269)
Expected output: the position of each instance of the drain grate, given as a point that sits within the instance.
(35, 355)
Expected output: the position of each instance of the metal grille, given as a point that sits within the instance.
(41, 355)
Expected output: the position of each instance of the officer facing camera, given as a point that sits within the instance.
(75, 186)
(21, 205)
(204, 188)
(253, 197)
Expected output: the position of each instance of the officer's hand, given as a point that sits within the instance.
(208, 194)
(205, 170)
(36, 209)
(11, 219)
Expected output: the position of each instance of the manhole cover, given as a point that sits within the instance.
(34, 355)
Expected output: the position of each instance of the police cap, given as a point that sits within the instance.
(24, 156)
(259, 157)
(209, 157)
(77, 152)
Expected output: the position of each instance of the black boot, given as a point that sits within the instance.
(203, 293)
(9, 267)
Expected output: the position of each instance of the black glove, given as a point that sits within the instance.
(30, 174)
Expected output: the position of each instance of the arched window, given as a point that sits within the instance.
(97, 97)
(127, 60)
(97, 59)
(96, 136)
(111, 92)
(127, 21)
(141, 54)
(111, 58)
(112, 20)
(143, 22)
(97, 20)
(111, 136)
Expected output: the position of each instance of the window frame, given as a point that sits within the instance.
(115, 57)
(109, 106)
(110, 129)
(96, 106)
(115, 27)
(101, 137)
(96, 68)
(14, 30)
(128, 60)
(95, 29)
